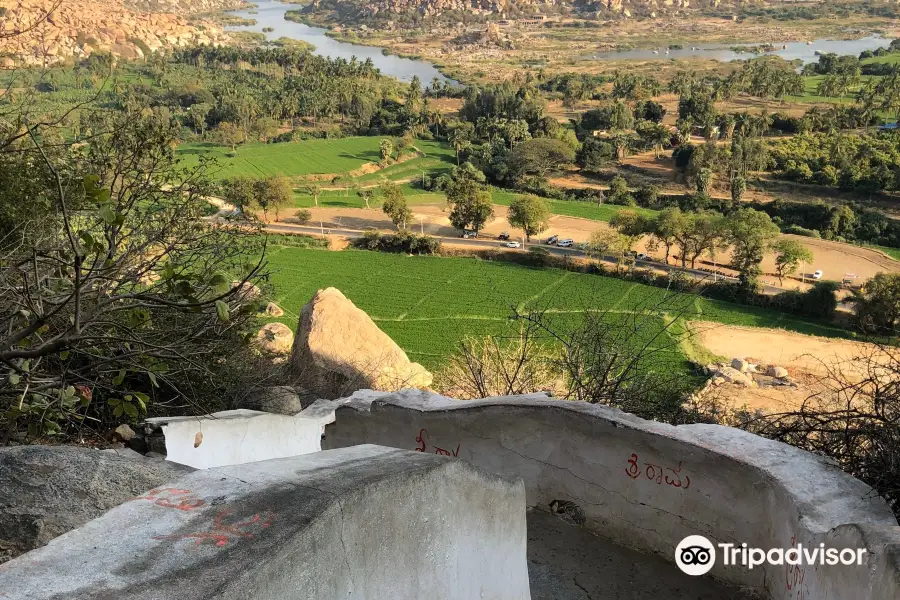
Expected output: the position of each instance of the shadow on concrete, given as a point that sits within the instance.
(566, 562)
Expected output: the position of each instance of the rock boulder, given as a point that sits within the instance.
(275, 338)
(775, 371)
(338, 349)
(281, 399)
(46, 491)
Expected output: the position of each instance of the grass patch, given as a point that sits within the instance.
(314, 157)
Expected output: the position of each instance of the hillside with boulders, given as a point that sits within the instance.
(48, 32)
(350, 10)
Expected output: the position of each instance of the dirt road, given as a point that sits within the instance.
(833, 258)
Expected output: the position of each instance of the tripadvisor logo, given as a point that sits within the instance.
(696, 555)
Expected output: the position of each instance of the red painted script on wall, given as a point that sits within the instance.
(657, 473)
(424, 448)
(794, 575)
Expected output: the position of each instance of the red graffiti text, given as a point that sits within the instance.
(424, 446)
(794, 575)
(657, 473)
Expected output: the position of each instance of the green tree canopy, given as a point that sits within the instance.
(393, 204)
(529, 213)
(788, 256)
(470, 203)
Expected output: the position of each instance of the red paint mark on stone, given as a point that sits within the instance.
(442, 451)
(657, 473)
(794, 575)
(222, 532)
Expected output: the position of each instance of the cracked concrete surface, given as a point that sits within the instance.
(566, 562)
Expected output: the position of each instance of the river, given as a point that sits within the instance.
(271, 14)
(787, 50)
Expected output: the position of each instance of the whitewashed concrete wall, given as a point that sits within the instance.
(236, 437)
(648, 485)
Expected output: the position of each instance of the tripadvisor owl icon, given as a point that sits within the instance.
(695, 555)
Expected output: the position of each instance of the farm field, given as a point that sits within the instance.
(428, 304)
(308, 157)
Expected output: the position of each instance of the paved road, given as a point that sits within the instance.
(491, 244)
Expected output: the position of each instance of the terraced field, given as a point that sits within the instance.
(427, 304)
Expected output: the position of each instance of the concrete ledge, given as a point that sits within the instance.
(236, 437)
(648, 485)
(363, 522)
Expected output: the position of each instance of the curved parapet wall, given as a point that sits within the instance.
(363, 522)
(649, 485)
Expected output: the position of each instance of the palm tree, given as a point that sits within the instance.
(459, 139)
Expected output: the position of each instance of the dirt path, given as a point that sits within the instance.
(810, 360)
(807, 353)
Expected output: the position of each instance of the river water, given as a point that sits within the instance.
(787, 50)
(271, 14)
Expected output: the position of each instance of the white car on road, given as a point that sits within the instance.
(565, 243)
(512, 244)
(817, 274)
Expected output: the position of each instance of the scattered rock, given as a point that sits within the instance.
(775, 371)
(740, 364)
(273, 310)
(282, 400)
(732, 375)
(275, 338)
(46, 491)
(338, 349)
(123, 433)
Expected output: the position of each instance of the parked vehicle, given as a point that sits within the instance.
(817, 274)
(512, 244)
(469, 234)
(566, 243)
(503, 236)
(642, 256)
(551, 240)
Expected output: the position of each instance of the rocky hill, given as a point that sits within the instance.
(360, 9)
(49, 31)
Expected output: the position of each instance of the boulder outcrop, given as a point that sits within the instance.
(339, 349)
(46, 491)
(53, 31)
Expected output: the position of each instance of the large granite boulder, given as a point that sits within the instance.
(46, 491)
(338, 349)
